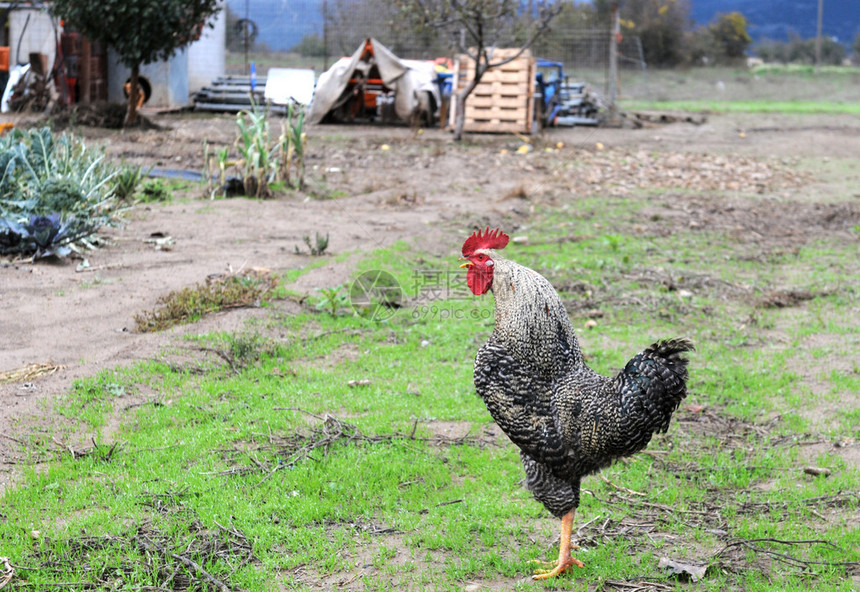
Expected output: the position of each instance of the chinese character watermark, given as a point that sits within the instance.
(430, 285)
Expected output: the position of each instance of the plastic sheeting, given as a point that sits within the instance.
(405, 77)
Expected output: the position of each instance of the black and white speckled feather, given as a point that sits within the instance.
(567, 420)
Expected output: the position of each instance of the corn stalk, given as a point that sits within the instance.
(297, 144)
(263, 163)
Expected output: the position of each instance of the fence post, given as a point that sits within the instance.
(613, 62)
(325, 35)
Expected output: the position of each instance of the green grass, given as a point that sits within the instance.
(768, 85)
(746, 106)
(327, 451)
(809, 70)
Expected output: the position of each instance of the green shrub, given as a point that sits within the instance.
(127, 181)
(155, 190)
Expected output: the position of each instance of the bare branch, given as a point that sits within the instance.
(785, 557)
(149, 544)
(479, 26)
(542, 26)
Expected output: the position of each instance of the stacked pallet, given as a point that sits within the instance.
(504, 99)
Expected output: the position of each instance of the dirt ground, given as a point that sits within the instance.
(424, 186)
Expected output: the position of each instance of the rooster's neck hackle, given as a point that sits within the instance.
(531, 319)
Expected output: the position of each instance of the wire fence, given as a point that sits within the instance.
(585, 55)
(314, 34)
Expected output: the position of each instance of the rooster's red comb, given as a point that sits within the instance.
(488, 239)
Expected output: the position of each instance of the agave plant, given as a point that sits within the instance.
(54, 192)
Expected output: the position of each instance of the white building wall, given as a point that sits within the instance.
(168, 80)
(34, 30)
(207, 56)
(174, 81)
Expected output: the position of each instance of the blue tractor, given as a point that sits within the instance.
(559, 102)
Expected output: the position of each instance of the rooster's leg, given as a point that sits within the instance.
(565, 560)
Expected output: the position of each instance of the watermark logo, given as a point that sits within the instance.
(450, 310)
(376, 295)
(435, 294)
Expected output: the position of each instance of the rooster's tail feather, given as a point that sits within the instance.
(651, 387)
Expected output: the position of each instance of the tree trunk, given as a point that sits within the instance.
(461, 104)
(134, 88)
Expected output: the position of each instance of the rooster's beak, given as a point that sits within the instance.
(466, 264)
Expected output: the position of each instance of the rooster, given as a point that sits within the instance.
(567, 420)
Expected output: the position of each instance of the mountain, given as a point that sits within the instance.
(777, 18)
(283, 23)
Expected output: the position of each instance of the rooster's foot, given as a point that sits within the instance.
(555, 568)
(542, 565)
(565, 559)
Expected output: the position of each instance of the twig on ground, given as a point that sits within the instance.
(65, 446)
(110, 452)
(231, 362)
(8, 572)
(331, 332)
(8, 437)
(834, 500)
(619, 488)
(785, 557)
(151, 545)
(661, 506)
(29, 372)
(82, 585)
(641, 586)
(440, 504)
(816, 471)
(296, 448)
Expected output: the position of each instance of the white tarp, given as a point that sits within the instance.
(405, 77)
(15, 74)
(289, 85)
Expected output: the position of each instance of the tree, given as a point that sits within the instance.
(730, 33)
(141, 31)
(565, 41)
(311, 45)
(350, 22)
(476, 26)
(801, 51)
(659, 24)
(723, 41)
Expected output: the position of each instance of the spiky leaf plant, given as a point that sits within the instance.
(54, 192)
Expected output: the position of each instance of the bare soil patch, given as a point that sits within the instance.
(423, 187)
(772, 222)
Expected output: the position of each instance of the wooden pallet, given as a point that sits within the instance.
(504, 99)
